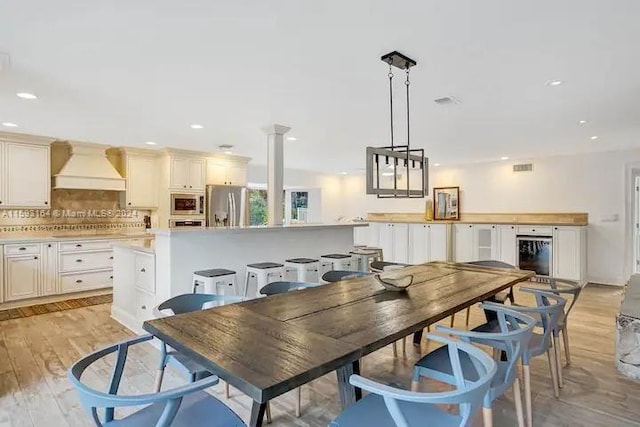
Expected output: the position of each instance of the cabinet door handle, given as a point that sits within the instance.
(78, 281)
(142, 270)
(533, 229)
(129, 203)
(78, 260)
(144, 307)
(555, 228)
(110, 257)
(49, 245)
(190, 187)
(46, 203)
(78, 245)
(35, 257)
(110, 277)
(22, 249)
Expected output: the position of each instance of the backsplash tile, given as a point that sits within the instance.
(75, 211)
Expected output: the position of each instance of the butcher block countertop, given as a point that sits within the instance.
(543, 218)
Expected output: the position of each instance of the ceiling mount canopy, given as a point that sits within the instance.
(397, 171)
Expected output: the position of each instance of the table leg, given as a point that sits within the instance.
(347, 391)
(257, 414)
(417, 337)
(356, 371)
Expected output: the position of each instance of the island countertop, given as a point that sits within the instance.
(255, 228)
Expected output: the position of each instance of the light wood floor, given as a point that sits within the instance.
(36, 351)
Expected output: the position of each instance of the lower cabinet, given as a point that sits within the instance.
(393, 239)
(569, 253)
(49, 269)
(84, 281)
(428, 242)
(463, 247)
(22, 276)
(507, 245)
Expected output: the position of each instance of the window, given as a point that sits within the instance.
(257, 206)
(299, 205)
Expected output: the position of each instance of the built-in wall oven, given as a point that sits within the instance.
(186, 223)
(187, 204)
(535, 251)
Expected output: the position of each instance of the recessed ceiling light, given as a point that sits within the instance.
(292, 138)
(196, 126)
(343, 173)
(436, 164)
(228, 152)
(594, 137)
(582, 122)
(554, 82)
(10, 125)
(26, 95)
(151, 143)
(504, 158)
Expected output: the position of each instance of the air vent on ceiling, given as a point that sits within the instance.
(447, 100)
(523, 167)
(5, 62)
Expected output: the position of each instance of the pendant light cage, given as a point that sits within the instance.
(397, 171)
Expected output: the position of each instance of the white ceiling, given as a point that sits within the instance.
(125, 72)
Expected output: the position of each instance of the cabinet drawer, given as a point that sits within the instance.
(85, 245)
(82, 261)
(145, 272)
(532, 230)
(83, 281)
(27, 249)
(144, 306)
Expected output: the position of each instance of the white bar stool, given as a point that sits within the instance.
(365, 256)
(335, 262)
(302, 267)
(219, 281)
(264, 272)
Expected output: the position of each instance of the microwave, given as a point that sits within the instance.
(187, 204)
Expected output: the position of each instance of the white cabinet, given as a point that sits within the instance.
(186, 173)
(25, 175)
(142, 182)
(463, 237)
(428, 242)
(569, 252)
(1, 273)
(485, 242)
(226, 172)
(84, 265)
(49, 269)
(393, 239)
(22, 274)
(507, 246)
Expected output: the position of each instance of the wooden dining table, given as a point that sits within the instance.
(268, 346)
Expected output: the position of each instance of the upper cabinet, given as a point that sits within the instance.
(25, 175)
(186, 173)
(227, 171)
(142, 182)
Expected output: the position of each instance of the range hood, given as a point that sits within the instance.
(88, 169)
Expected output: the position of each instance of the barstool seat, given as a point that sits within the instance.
(265, 265)
(263, 272)
(301, 260)
(336, 256)
(212, 278)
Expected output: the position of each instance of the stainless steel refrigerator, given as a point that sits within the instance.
(226, 206)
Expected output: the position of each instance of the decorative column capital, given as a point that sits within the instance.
(276, 129)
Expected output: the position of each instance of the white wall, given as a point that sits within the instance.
(594, 183)
(329, 185)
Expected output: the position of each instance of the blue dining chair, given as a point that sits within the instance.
(566, 289)
(180, 304)
(338, 275)
(387, 406)
(184, 406)
(499, 297)
(515, 331)
(275, 288)
(548, 311)
(281, 287)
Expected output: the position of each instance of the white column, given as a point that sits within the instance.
(275, 172)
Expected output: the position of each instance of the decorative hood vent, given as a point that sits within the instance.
(88, 169)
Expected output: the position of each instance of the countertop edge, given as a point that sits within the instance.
(169, 232)
(37, 239)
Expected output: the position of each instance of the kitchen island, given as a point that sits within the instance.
(178, 253)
